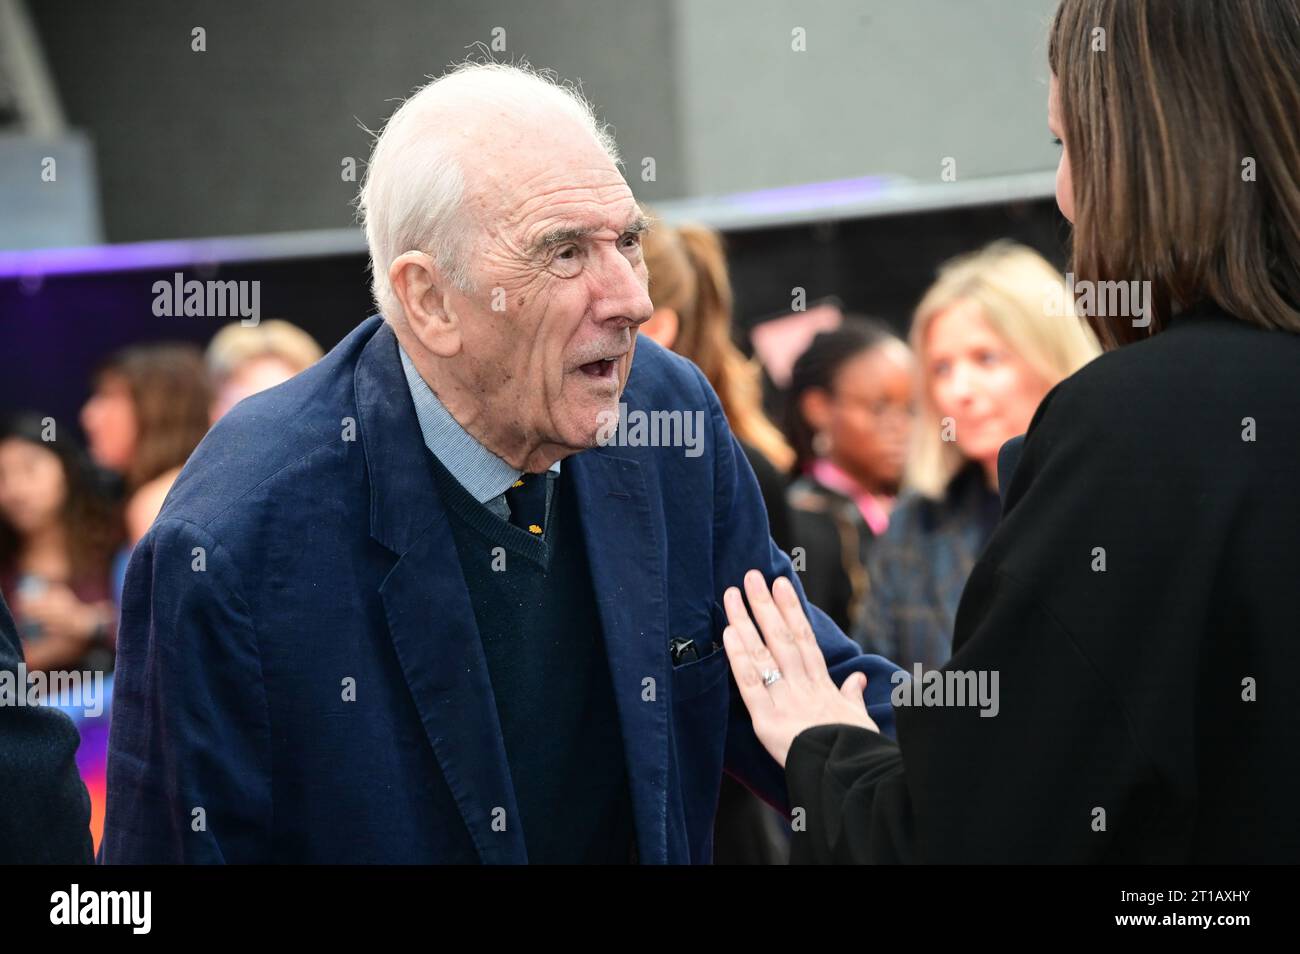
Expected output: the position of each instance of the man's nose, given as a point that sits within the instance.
(622, 292)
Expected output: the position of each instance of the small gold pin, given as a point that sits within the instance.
(534, 528)
(517, 483)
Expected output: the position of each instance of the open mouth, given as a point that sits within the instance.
(602, 368)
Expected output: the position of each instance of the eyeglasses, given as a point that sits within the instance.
(880, 410)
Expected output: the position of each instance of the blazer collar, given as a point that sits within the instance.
(403, 498)
(447, 676)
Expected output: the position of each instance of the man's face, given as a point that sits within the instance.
(559, 287)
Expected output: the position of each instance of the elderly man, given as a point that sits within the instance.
(423, 603)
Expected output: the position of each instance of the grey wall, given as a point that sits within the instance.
(248, 136)
(884, 86)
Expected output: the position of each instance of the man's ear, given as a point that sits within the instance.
(421, 289)
(814, 405)
(662, 327)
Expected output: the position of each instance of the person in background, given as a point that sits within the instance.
(849, 416)
(989, 348)
(148, 411)
(1137, 600)
(57, 533)
(691, 293)
(45, 809)
(245, 359)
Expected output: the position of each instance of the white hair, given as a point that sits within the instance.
(412, 195)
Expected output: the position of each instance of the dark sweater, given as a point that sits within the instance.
(537, 618)
(44, 808)
(1158, 691)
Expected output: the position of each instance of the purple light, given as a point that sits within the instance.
(38, 263)
(94, 258)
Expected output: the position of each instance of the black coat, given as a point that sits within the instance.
(44, 808)
(836, 541)
(1160, 690)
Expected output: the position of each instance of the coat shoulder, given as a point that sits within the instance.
(663, 380)
(1205, 357)
(270, 435)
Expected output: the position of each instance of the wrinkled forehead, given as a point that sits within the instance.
(536, 175)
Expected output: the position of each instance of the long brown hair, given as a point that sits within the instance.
(688, 273)
(1162, 126)
(170, 391)
(90, 525)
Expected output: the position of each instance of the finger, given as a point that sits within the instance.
(854, 687)
(744, 629)
(748, 679)
(796, 621)
(776, 634)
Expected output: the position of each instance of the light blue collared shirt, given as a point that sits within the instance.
(485, 475)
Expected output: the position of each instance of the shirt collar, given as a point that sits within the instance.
(477, 469)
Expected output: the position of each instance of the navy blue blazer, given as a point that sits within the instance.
(299, 675)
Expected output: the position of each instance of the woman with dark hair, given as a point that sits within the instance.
(1121, 683)
(849, 414)
(56, 536)
(148, 412)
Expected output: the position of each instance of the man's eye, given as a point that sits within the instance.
(567, 254)
(631, 239)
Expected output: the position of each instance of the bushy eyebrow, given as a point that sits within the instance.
(564, 234)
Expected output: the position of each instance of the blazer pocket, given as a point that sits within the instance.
(697, 677)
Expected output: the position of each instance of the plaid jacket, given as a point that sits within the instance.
(917, 570)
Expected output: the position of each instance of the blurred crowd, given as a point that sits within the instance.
(879, 472)
(69, 516)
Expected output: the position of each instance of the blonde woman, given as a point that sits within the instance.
(992, 336)
(243, 360)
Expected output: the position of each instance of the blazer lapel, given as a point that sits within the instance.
(624, 550)
(427, 605)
